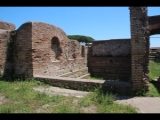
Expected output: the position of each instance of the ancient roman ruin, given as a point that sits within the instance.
(38, 48)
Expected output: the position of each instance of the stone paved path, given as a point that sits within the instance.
(143, 104)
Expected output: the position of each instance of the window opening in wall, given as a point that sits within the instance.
(83, 51)
(57, 51)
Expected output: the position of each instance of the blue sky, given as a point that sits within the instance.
(100, 23)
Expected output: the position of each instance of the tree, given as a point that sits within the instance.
(81, 38)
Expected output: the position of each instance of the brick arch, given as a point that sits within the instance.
(154, 24)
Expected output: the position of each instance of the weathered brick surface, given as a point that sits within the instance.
(140, 47)
(40, 48)
(23, 65)
(4, 37)
(110, 68)
(6, 63)
(74, 49)
(44, 49)
(7, 26)
(110, 59)
(75, 74)
(111, 48)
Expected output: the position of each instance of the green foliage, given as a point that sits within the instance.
(104, 102)
(21, 98)
(153, 92)
(81, 38)
(154, 67)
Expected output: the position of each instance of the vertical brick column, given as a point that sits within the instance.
(139, 47)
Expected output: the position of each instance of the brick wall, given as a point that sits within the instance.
(7, 26)
(4, 37)
(23, 51)
(110, 68)
(111, 48)
(74, 49)
(5, 61)
(57, 57)
(110, 59)
(39, 48)
(139, 47)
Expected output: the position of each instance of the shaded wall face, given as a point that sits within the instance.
(53, 53)
(110, 59)
(154, 24)
(23, 51)
(4, 38)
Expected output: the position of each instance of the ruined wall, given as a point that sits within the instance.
(4, 37)
(53, 53)
(110, 59)
(23, 51)
(39, 49)
(74, 49)
(5, 32)
(7, 26)
(139, 47)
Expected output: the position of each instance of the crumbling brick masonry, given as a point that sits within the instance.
(38, 48)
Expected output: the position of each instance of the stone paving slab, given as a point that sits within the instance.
(61, 91)
(143, 104)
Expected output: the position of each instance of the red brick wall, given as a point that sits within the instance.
(41, 48)
(44, 57)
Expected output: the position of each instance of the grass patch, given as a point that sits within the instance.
(153, 92)
(154, 69)
(116, 108)
(105, 102)
(22, 98)
(27, 99)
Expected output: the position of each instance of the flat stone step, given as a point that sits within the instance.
(86, 76)
(83, 84)
(51, 91)
(75, 74)
(72, 83)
